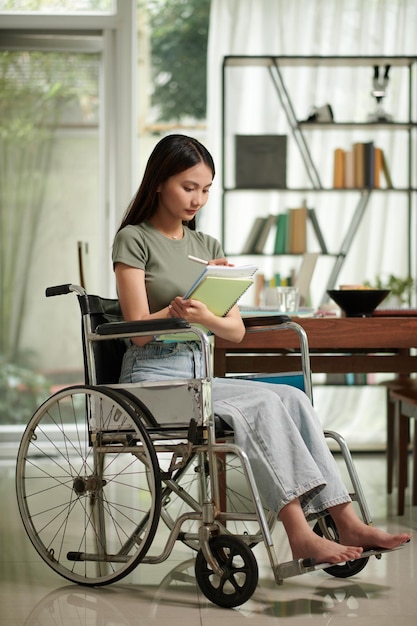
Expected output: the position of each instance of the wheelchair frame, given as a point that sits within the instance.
(77, 439)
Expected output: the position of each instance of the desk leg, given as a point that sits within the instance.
(390, 411)
(219, 363)
(402, 457)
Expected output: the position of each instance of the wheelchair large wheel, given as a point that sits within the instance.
(239, 577)
(185, 491)
(87, 483)
(325, 527)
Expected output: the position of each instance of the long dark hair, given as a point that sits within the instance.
(172, 154)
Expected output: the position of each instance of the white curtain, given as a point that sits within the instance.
(320, 27)
(316, 27)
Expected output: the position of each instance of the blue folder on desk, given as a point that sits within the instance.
(295, 379)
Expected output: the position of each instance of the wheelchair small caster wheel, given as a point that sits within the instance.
(239, 578)
(326, 527)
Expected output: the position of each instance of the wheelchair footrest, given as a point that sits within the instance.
(293, 568)
(366, 554)
(302, 566)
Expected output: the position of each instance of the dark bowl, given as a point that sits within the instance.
(358, 302)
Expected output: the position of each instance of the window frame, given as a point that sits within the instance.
(114, 35)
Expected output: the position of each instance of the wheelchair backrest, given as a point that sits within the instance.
(108, 355)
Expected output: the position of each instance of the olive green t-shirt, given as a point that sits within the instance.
(168, 271)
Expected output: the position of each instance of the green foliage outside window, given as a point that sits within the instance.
(21, 390)
(179, 32)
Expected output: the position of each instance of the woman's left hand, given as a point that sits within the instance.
(190, 310)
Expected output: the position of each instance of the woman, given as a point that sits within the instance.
(274, 424)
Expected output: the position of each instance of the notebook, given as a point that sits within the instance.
(219, 287)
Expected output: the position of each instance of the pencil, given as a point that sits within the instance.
(197, 260)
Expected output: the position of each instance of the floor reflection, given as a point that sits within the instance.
(177, 596)
(31, 594)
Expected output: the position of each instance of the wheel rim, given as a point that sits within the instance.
(90, 504)
(239, 576)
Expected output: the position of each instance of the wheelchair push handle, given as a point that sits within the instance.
(61, 290)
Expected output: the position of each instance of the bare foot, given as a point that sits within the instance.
(369, 537)
(310, 545)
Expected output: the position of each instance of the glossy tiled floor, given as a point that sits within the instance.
(384, 592)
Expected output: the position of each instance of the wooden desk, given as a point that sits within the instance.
(337, 345)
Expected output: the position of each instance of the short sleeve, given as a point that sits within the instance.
(129, 247)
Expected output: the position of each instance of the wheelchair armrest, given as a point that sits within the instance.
(143, 326)
(265, 320)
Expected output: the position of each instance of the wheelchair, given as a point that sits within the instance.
(100, 465)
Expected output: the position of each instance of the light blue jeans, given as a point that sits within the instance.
(275, 425)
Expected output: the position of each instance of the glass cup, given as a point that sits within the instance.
(284, 299)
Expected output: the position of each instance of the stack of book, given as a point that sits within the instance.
(285, 233)
(291, 231)
(290, 236)
(362, 167)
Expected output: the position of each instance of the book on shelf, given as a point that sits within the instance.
(339, 168)
(291, 231)
(253, 235)
(297, 230)
(361, 167)
(369, 165)
(349, 176)
(317, 230)
(381, 167)
(267, 226)
(261, 161)
(378, 167)
(375, 165)
(290, 235)
(386, 172)
(280, 244)
(359, 164)
(219, 287)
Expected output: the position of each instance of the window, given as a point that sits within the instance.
(70, 139)
(66, 117)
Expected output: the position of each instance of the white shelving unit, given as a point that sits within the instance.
(303, 135)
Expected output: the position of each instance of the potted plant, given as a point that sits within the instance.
(401, 289)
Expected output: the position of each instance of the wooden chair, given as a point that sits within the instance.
(391, 385)
(401, 408)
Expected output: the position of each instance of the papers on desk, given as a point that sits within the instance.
(257, 311)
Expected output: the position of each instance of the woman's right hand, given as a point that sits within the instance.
(222, 261)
